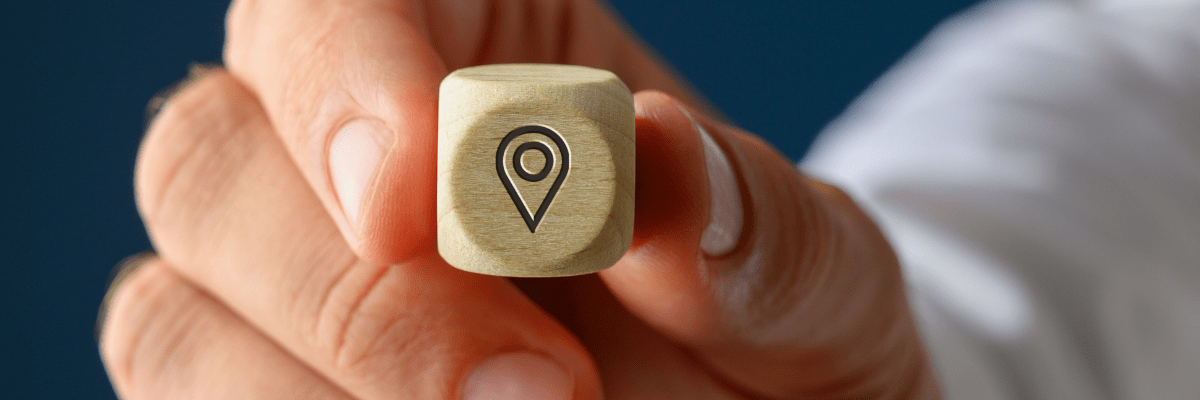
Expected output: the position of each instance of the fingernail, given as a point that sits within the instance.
(354, 155)
(725, 217)
(524, 376)
(122, 271)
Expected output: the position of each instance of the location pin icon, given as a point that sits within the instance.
(535, 169)
(532, 217)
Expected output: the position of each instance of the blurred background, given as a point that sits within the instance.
(78, 74)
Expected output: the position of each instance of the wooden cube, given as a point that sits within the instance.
(535, 169)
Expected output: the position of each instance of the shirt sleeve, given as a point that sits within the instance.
(1036, 164)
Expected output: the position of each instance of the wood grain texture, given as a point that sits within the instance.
(588, 222)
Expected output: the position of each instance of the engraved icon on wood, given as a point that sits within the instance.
(535, 169)
(518, 165)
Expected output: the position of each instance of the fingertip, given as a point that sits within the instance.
(671, 188)
(388, 216)
(650, 103)
(397, 220)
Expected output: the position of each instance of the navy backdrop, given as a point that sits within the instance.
(77, 76)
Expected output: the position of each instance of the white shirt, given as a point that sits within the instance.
(1037, 166)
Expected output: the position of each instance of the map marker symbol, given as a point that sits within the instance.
(532, 219)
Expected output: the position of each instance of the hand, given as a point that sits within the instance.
(745, 279)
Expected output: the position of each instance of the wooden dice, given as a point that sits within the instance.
(535, 169)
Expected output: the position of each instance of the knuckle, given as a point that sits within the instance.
(196, 138)
(148, 319)
(240, 14)
(366, 327)
(241, 23)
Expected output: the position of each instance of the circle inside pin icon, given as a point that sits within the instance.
(519, 165)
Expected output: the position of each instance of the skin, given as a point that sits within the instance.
(261, 288)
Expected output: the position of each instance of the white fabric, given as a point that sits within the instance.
(1037, 166)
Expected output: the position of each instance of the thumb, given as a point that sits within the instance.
(775, 281)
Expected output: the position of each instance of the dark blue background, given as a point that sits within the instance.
(77, 76)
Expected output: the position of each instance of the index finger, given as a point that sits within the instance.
(351, 87)
(228, 211)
